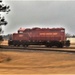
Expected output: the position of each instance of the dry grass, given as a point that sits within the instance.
(36, 62)
(4, 58)
(5, 42)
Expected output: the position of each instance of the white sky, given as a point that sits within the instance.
(32, 13)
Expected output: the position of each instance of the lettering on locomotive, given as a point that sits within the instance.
(48, 34)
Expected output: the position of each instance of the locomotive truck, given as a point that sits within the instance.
(49, 37)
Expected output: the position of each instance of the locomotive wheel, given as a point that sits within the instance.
(25, 45)
(18, 45)
(47, 45)
(14, 44)
(50, 45)
(60, 45)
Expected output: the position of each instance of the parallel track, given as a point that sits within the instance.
(22, 49)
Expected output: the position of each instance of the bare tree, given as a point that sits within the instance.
(4, 9)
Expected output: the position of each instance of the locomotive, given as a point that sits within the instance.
(49, 37)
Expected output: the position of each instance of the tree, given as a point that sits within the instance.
(68, 35)
(73, 36)
(4, 9)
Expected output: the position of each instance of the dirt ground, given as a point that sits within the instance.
(38, 62)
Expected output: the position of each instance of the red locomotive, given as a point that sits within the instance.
(39, 36)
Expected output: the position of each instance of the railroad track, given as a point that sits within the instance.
(23, 49)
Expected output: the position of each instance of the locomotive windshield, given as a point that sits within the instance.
(20, 31)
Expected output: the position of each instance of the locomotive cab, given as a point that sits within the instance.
(21, 30)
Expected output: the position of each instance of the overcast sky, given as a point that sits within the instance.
(28, 14)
